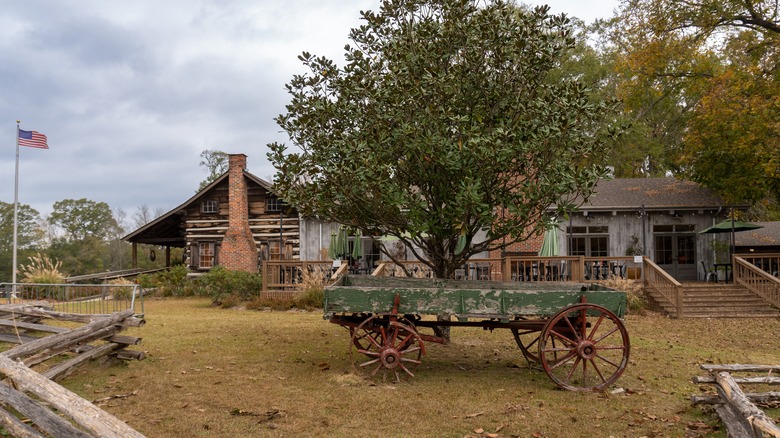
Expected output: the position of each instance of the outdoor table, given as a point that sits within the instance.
(726, 267)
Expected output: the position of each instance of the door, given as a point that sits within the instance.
(676, 254)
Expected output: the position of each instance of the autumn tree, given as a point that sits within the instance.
(699, 80)
(443, 129)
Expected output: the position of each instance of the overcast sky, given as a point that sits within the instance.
(130, 92)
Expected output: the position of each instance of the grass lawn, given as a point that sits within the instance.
(214, 372)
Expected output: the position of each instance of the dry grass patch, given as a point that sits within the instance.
(214, 372)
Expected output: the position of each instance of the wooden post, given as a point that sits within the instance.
(265, 276)
(679, 291)
(135, 255)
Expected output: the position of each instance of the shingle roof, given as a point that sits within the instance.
(633, 193)
(767, 236)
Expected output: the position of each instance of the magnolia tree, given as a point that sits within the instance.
(444, 129)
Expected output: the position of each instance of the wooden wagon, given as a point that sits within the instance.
(574, 331)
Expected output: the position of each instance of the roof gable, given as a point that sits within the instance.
(159, 230)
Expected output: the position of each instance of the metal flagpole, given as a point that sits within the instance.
(16, 210)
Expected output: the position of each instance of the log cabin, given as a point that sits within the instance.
(237, 221)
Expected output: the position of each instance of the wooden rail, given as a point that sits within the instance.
(665, 284)
(760, 282)
(735, 408)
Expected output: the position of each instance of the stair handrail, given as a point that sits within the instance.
(669, 288)
(757, 281)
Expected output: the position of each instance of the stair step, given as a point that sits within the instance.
(717, 301)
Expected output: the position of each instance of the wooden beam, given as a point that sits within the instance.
(84, 413)
(65, 341)
(768, 380)
(757, 420)
(16, 427)
(43, 417)
(64, 369)
(739, 368)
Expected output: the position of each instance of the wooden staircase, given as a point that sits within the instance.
(716, 300)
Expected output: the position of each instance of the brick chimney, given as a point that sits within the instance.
(238, 251)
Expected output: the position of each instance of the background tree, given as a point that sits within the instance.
(29, 236)
(699, 79)
(216, 163)
(443, 125)
(83, 218)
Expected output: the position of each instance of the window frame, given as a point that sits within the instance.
(209, 206)
(207, 255)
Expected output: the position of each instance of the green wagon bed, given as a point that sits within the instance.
(464, 299)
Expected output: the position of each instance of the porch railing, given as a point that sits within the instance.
(760, 281)
(769, 263)
(286, 276)
(570, 268)
(671, 289)
(77, 298)
(282, 278)
(474, 269)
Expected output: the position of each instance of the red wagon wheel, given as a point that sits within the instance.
(527, 338)
(584, 347)
(392, 345)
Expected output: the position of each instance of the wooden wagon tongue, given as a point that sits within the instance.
(573, 331)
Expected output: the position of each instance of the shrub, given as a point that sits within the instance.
(121, 293)
(42, 270)
(311, 296)
(170, 283)
(634, 292)
(312, 292)
(220, 283)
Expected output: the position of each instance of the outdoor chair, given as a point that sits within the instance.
(709, 274)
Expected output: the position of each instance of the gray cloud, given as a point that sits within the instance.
(130, 93)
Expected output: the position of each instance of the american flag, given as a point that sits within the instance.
(32, 139)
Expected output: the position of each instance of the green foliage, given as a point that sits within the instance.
(449, 119)
(29, 236)
(216, 163)
(83, 218)
(170, 283)
(223, 284)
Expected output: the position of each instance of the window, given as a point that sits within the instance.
(209, 206)
(206, 255)
(273, 204)
(592, 241)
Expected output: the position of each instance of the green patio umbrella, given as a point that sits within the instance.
(332, 254)
(730, 226)
(550, 243)
(342, 243)
(357, 248)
